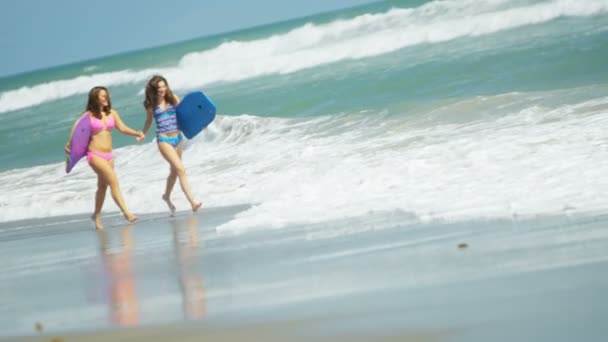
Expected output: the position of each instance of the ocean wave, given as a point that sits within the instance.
(314, 45)
(534, 158)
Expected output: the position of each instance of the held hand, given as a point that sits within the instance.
(140, 136)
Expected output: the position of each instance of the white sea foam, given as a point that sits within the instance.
(537, 159)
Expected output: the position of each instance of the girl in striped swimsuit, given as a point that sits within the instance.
(160, 104)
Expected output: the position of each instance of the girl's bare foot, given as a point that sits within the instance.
(130, 217)
(196, 206)
(97, 219)
(169, 203)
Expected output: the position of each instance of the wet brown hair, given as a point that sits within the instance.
(93, 105)
(151, 100)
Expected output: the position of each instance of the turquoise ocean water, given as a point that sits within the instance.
(444, 110)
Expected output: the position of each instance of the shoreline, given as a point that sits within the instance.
(177, 278)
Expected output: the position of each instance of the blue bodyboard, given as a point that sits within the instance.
(195, 112)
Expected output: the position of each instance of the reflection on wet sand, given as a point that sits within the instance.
(186, 242)
(117, 260)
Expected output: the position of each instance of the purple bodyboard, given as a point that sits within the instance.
(79, 142)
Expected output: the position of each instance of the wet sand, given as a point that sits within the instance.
(179, 279)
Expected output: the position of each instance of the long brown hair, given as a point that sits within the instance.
(93, 105)
(151, 100)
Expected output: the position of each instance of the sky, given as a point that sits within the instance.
(37, 34)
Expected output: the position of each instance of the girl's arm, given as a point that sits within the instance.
(124, 129)
(147, 124)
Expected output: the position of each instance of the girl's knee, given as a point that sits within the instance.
(178, 170)
(181, 172)
(112, 182)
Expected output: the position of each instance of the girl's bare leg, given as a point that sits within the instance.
(173, 156)
(100, 196)
(105, 171)
(169, 187)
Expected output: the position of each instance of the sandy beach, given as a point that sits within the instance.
(179, 279)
